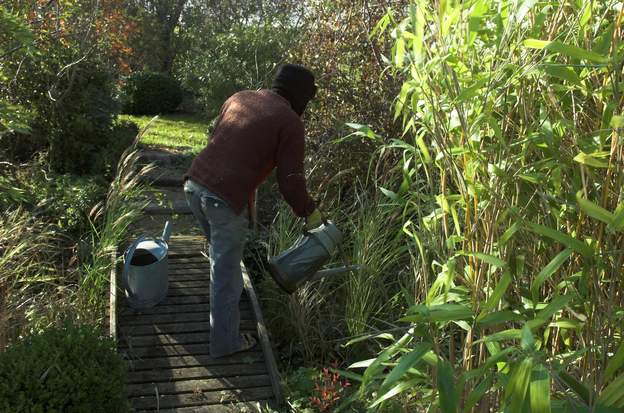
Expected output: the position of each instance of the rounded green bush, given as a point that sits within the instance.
(147, 93)
(68, 369)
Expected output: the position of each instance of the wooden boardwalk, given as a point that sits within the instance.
(166, 347)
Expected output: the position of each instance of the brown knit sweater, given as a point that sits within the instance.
(256, 132)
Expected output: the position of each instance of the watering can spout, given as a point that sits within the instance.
(166, 232)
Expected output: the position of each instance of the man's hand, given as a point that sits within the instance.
(314, 220)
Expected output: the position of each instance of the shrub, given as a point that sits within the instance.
(121, 137)
(66, 369)
(148, 93)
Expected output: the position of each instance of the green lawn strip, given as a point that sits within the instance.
(174, 131)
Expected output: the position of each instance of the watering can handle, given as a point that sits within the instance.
(166, 232)
(127, 258)
(307, 232)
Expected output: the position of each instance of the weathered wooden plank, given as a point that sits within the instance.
(189, 373)
(174, 308)
(168, 339)
(245, 407)
(187, 271)
(194, 250)
(186, 300)
(198, 276)
(197, 386)
(165, 351)
(197, 264)
(171, 328)
(112, 299)
(192, 260)
(188, 291)
(173, 283)
(252, 356)
(263, 335)
(144, 319)
(190, 399)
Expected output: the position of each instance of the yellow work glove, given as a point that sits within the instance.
(314, 220)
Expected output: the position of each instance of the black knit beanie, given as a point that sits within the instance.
(296, 84)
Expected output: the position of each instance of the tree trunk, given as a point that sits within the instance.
(169, 15)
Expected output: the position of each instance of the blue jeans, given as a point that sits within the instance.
(226, 233)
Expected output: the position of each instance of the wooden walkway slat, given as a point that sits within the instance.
(204, 372)
(203, 385)
(173, 328)
(167, 346)
(196, 360)
(167, 401)
(150, 319)
(174, 308)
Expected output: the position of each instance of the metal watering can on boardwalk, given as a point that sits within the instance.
(145, 274)
(302, 261)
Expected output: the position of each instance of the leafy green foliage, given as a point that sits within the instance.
(509, 181)
(148, 93)
(222, 63)
(66, 369)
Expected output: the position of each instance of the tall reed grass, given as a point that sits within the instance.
(42, 281)
(111, 220)
(510, 190)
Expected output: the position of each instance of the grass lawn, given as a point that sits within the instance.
(174, 131)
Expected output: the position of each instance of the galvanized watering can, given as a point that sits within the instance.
(302, 261)
(145, 274)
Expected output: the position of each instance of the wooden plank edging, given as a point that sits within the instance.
(263, 336)
(112, 322)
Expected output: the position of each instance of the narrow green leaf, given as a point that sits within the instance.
(439, 313)
(388, 193)
(510, 232)
(498, 317)
(498, 293)
(527, 341)
(615, 362)
(540, 390)
(361, 364)
(572, 51)
(446, 387)
(563, 73)
(565, 239)
(579, 388)
(536, 44)
(618, 218)
(490, 259)
(547, 312)
(399, 54)
(420, 141)
(587, 14)
(617, 122)
(477, 393)
(376, 365)
(517, 388)
(511, 334)
(348, 375)
(592, 160)
(613, 395)
(549, 270)
(593, 210)
(406, 362)
(399, 388)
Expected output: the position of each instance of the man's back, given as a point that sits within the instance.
(256, 131)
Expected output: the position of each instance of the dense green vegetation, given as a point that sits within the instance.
(471, 152)
(65, 369)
